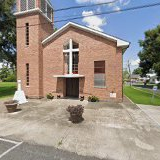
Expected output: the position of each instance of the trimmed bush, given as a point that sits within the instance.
(93, 99)
(50, 96)
(76, 113)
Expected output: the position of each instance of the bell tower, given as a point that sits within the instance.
(34, 20)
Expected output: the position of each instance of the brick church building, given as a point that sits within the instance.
(73, 61)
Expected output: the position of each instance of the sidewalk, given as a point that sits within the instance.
(152, 111)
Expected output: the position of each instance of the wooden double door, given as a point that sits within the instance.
(72, 87)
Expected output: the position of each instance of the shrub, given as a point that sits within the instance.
(93, 99)
(76, 113)
(7, 75)
(159, 86)
(50, 96)
(11, 78)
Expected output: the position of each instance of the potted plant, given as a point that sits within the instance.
(76, 113)
(58, 96)
(50, 96)
(81, 98)
(11, 105)
(93, 99)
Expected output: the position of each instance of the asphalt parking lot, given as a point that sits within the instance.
(11, 150)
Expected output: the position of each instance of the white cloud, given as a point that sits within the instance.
(95, 22)
(122, 2)
(92, 1)
(135, 62)
(116, 8)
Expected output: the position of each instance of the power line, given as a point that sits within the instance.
(102, 13)
(110, 12)
(85, 6)
(76, 7)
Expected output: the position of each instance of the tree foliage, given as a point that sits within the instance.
(138, 71)
(7, 75)
(125, 74)
(7, 32)
(150, 53)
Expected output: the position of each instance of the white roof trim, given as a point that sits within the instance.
(69, 76)
(32, 11)
(120, 43)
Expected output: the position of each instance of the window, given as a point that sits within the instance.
(75, 45)
(66, 46)
(75, 57)
(99, 74)
(46, 8)
(27, 74)
(23, 5)
(43, 6)
(71, 52)
(27, 34)
(31, 4)
(27, 5)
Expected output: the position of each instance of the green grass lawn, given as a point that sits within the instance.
(7, 89)
(140, 96)
(149, 91)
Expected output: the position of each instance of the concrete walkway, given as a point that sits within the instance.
(109, 130)
(152, 111)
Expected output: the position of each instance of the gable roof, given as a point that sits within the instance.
(120, 42)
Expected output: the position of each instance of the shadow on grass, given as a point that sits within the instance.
(7, 91)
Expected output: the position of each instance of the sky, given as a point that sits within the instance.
(129, 25)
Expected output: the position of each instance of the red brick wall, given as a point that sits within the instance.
(92, 48)
(31, 54)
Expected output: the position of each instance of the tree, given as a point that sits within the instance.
(7, 74)
(138, 71)
(125, 74)
(150, 53)
(7, 32)
(4, 72)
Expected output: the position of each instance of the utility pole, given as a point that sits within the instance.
(129, 69)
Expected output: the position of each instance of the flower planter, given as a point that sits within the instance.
(50, 96)
(58, 96)
(82, 98)
(11, 106)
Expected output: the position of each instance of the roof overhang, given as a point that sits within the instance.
(35, 10)
(69, 76)
(120, 43)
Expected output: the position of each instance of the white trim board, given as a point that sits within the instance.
(32, 11)
(120, 42)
